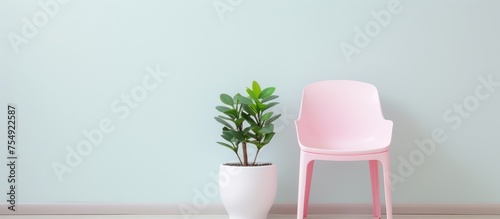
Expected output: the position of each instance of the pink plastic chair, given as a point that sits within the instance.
(342, 120)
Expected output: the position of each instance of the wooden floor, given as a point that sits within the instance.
(225, 217)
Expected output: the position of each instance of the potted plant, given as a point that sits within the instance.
(247, 187)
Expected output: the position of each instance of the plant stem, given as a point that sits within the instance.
(255, 159)
(245, 155)
(239, 157)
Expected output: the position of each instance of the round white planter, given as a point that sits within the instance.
(248, 192)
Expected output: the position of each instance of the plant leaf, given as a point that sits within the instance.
(261, 106)
(254, 143)
(235, 98)
(267, 92)
(223, 122)
(227, 145)
(269, 105)
(255, 128)
(249, 119)
(226, 118)
(272, 119)
(272, 97)
(244, 100)
(232, 113)
(230, 135)
(239, 121)
(237, 136)
(222, 109)
(227, 135)
(254, 107)
(267, 129)
(252, 135)
(254, 96)
(227, 99)
(246, 130)
(249, 110)
(256, 88)
(266, 116)
(268, 138)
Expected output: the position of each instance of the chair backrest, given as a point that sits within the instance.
(338, 109)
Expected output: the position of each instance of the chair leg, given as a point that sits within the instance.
(375, 187)
(310, 167)
(387, 186)
(303, 186)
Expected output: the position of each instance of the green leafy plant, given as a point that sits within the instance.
(247, 120)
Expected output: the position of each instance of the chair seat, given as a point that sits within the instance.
(341, 141)
(347, 150)
(353, 145)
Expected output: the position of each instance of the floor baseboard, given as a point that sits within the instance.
(226, 217)
(398, 209)
(190, 210)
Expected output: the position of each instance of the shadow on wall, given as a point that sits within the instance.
(406, 154)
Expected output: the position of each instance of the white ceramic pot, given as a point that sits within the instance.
(248, 192)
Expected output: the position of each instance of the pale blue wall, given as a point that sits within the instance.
(69, 75)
